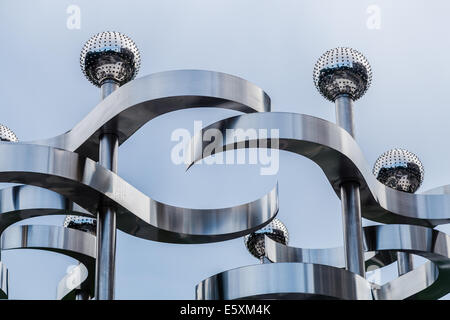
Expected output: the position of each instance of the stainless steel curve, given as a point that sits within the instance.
(70, 242)
(340, 158)
(429, 281)
(143, 99)
(21, 202)
(335, 257)
(284, 281)
(3, 281)
(84, 182)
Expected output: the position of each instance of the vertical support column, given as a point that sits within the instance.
(404, 262)
(350, 199)
(106, 217)
(82, 295)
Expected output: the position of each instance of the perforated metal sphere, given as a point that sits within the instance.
(342, 71)
(110, 56)
(399, 169)
(81, 223)
(275, 230)
(6, 134)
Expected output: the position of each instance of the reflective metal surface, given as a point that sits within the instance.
(83, 181)
(6, 134)
(335, 257)
(399, 169)
(340, 158)
(352, 227)
(275, 230)
(73, 243)
(81, 223)
(4, 278)
(429, 281)
(284, 281)
(404, 263)
(110, 56)
(134, 104)
(22, 202)
(342, 71)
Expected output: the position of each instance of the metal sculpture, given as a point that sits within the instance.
(343, 75)
(275, 230)
(61, 175)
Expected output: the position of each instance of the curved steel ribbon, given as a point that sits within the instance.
(124, 112)
(277, 252)
(429, 281)
(134, 104)
(284, 281)
(3, 281)
(70, 242)
(340, 158)
(22, 202)
(84, 182)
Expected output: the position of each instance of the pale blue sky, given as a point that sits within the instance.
(271, 43)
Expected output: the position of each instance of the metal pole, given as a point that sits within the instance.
(106, 217)
(82, 295)
(404, 263)
(350, 199)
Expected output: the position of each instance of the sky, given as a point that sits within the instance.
(273, 44)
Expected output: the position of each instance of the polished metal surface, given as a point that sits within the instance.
(404, 263)
(429, 281)
(342, 71)
(402, 170)
(110, 56)
(108, 87)
(4, 279)
(399, 169)
(106, 227)
(83, 181)
(73, 243)
(340, 158)
(22, 202)
(352, 227)
(343, 75)
(335, 257)
(284, 281)
(344, 114)
(134, 104)
(6, 134)
(81, 223)
(275, 230)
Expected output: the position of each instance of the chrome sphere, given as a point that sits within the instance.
(6, 134)
(81, 223)
(275, 230)
(110, 56)
(342, 71)
(400, 170)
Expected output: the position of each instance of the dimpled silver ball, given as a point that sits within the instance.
(342, 71)
(81, 223)
(275, 230)
(400, 170)
(110, 56)
(6, 134)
